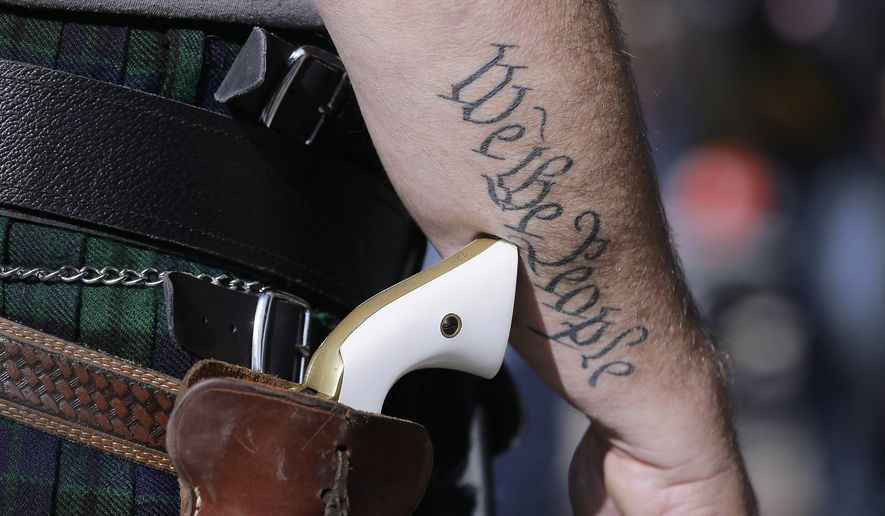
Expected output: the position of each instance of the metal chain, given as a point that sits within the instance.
(110, 276)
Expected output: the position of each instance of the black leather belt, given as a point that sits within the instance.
(114, 161)
(265, 331)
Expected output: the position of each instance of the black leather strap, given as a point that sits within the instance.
(210, 321)
(115, 161)
(298, 91)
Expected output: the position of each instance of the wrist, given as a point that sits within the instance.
(606, 479)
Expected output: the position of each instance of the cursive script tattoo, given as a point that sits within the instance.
(524, 170)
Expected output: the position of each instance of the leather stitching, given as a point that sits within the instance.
(42, 83)
(69, 431)
(235, 243)
(91, 357)
(84, 395)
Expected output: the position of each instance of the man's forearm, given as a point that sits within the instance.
(518, 119)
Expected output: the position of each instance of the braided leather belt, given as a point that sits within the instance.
(85, 396)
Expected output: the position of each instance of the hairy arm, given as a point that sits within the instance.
(519, 119)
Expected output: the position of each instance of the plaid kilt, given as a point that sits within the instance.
(41, 474)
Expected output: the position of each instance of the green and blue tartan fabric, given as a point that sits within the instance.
(183, 64)
(41, 474)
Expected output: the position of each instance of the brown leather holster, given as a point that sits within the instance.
(245, 443)
(241, 442)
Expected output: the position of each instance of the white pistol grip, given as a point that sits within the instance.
(454, 315)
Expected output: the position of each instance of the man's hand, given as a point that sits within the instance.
(519, 119)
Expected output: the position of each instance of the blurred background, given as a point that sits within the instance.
(767, 123)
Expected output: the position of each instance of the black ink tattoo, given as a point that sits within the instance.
(470, 106)
(616, 368)
(527, 173)
(504, 134)
(543, 121)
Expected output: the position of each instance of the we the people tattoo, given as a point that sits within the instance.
(524, 169)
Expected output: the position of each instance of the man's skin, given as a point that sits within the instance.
(519, 119)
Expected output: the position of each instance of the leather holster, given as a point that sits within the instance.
(246, 443)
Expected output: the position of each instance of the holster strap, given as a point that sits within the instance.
(114, 161)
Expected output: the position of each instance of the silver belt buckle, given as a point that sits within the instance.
(297, 61)
(262, 322)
